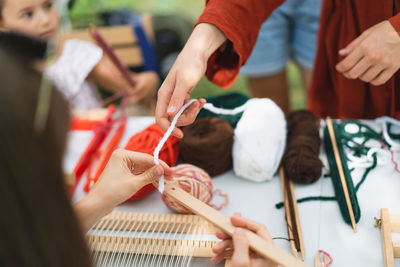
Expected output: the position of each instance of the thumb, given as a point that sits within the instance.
(151, 175)
(240, 257)
(354, 44)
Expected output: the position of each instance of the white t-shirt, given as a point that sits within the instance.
(69, 74)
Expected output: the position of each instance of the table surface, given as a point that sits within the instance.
(321, 222)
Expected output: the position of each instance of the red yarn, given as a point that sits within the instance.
(146, 141)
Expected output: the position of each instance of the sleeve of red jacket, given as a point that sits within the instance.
(395, 21)
(240, 21)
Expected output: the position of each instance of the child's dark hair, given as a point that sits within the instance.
(23, 46)
(1, 9)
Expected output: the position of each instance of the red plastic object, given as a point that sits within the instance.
(84, 124)
(105, 155)
(100, 132)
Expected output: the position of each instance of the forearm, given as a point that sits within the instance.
(205, 40)
(89, 210)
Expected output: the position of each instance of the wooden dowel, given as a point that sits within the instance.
(287, 214)
(386, 230)
(297, 220)
(341, 173)
(110, 53)
(259, 245)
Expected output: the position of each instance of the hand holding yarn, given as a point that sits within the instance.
(126, 172)
(146, 141)
(186, 72)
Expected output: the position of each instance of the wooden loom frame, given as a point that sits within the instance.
(389, 224)
(257, 244)
(215, 220)
(167, 223)
(292, 216)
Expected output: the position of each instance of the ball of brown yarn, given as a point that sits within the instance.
(207, 143)
(300, 161)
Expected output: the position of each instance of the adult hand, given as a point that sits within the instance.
(184, 75)
(126, 172)
(374, 56)
(237, 247)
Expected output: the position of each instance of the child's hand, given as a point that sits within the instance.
(126, 172)
(145, 87)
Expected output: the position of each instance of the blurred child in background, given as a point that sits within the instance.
(79, 65)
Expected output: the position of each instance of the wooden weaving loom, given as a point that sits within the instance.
(154, 232)
(389, 224)
(144, 239)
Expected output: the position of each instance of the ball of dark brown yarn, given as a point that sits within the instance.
(300, 161)
(207, 143)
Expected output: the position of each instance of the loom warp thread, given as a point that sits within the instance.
(207, 143)
(301, 159)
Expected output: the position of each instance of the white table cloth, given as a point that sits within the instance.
(322, 225)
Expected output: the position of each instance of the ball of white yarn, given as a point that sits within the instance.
(260, 139)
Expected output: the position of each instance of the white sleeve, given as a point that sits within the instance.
(73, 67)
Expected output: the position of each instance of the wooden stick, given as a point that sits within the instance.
(387, 238)
(297, 220)
(341, 173)
(291, 205)
(110, 53)
(259, 245)
(288, 214)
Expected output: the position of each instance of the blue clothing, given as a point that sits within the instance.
(289, 33)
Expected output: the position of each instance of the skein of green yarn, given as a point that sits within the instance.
(227, 101)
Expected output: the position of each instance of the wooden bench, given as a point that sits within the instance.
(122, 40)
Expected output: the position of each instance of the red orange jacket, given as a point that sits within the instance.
(341, 22)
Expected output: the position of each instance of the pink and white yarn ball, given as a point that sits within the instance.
(193, 180)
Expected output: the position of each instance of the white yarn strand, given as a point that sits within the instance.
(164, 139)
(222, 111)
